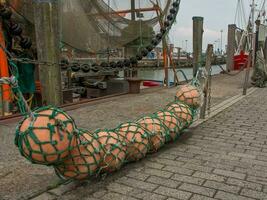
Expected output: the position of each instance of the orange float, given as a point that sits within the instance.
(183, 112)
(48, 137)
(137, 140)
(83, 160)
(113, 150)
(189, 95)
(171, 121)
(157, 131)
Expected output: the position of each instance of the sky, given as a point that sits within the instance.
(217, 15)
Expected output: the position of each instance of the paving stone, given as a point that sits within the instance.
(200, 197)
(188, 179)
(178, 170)
(137, 175)
(115, 196)
(222, 186)
(119, 188)
(198, 189)
(156, 172)
(45, 196)
(254, 194)
(163, 181)
(177, 194)
(229, 174)
(137, 184)
(228, 196)
(167, 162)
(141, 194)
(209, 176)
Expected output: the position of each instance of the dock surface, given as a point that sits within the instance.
(222, 158)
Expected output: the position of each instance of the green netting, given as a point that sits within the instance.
(183, 112)
(172, 122)
(83, 161)
(46, 137)
(137, 140)
(190, 95)
(156, 130)
(113, 150)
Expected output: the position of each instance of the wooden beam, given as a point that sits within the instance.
(47, 40)
(231, 44)
(197, 43)
(209, 54)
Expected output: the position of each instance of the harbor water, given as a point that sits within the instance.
(158, 74)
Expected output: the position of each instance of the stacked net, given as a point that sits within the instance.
(190, 95)
(137, 140)
(83, 160)
(183, 112)
(113, 150)
(46, 137)
(50, 137)
(172, 122)
(157, 131)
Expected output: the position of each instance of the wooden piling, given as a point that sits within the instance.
(231, 46)
(48, 43)
(209, 54)
(197, 42)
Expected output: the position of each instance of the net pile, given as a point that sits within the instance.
(50, 137)
(95, 25)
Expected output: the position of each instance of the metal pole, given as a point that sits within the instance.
(197, 43)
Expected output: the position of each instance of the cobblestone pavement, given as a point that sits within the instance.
(222, 159)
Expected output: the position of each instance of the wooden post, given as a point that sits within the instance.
(133, 10)
(197, 42)
(231, 47)
(206, 85)
(47, 40)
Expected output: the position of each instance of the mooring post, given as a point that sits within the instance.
(209, 54)
(231, 45)
(197, 43)
(48, 44)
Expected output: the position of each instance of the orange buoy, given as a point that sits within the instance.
(157, 131)
(83, 160)
(189, 95)
(113, 151)
(171, 121)
(48, 137)
(183, 112)
(137, 140)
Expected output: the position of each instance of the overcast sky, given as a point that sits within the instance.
(217, 15)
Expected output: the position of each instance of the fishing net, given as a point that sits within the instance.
(137, 140)
(172, 122)
(95, 25)
(47, 136)
(157, 131)
(183, 112)
(83, 160)
(190, 95)
(113, 150)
